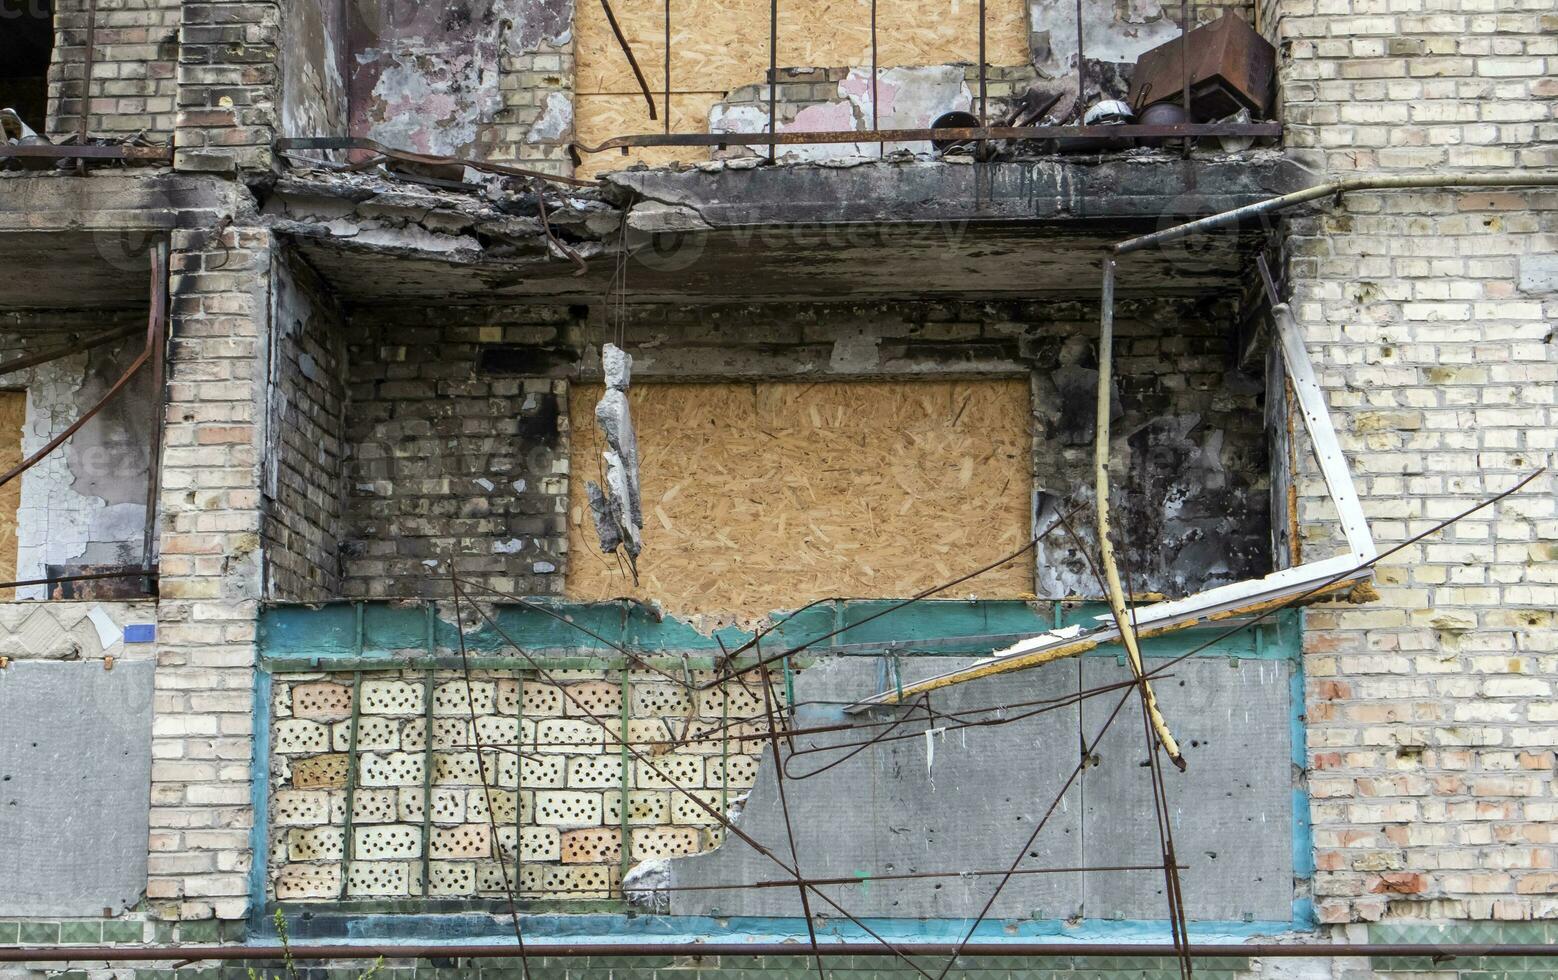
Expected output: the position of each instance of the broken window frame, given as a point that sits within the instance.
(1265, 594)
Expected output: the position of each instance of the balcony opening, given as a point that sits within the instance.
(26, 45)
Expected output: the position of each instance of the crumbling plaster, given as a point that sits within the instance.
(904, 98)
(429, 77)
(807, 231)
(85, 504)
(1116, 32)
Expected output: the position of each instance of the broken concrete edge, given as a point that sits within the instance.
(391, 216)
(118, 201)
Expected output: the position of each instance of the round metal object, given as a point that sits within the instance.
(956, 119)
(1162, 114)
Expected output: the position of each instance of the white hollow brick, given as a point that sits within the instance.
(567, 808)
(569, 735)
(383, 841)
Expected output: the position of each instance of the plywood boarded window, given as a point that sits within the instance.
(719, 45)
(767, 496)
(13, 415)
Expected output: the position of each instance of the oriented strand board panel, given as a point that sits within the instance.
(75, 786)
(719, 45)
(600, 117)
(13, 414)
(768, 495)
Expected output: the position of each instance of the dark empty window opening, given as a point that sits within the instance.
(26, 45)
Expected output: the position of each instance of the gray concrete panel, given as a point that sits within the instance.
(1231, 809)
(75, 786)
(887, 809)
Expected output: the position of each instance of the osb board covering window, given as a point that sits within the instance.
(13, 415)
(719, 45)
(767, 496)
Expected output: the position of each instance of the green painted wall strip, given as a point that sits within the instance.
(376, 635)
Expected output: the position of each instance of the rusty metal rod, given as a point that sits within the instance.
(881, 149)
(55, 353)
(157, 342)
(667, 66)
(410, 951)
(374, 146)
(984, 119)
(1081, 70)
(88, 61)
(773, 76)
(86, 417)
(138, 573)
(149, 154)
(1510, 178)
(961, 134)
(1184, 64)
(627, 49)
(158, 311)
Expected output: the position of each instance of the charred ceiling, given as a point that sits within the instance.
(806, 232)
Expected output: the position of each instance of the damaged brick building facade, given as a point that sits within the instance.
(311, 614)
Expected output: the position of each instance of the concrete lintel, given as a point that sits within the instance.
(114, 201)
(1126, 189)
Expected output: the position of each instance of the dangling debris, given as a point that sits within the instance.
(617, 510)
(605, 524)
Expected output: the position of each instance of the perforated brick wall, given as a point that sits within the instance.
(534, 791)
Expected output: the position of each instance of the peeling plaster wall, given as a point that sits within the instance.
(905, 98)
(314, 69)
(472, 78)
(86, 502)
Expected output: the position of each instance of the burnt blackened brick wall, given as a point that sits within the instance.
(459, 438)
(135, 55)
(458, 450)
(306, 409)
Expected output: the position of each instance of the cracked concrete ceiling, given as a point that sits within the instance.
(74, 270)
(792, 233)
(791, 265)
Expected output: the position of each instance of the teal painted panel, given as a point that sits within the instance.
(396, 631)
